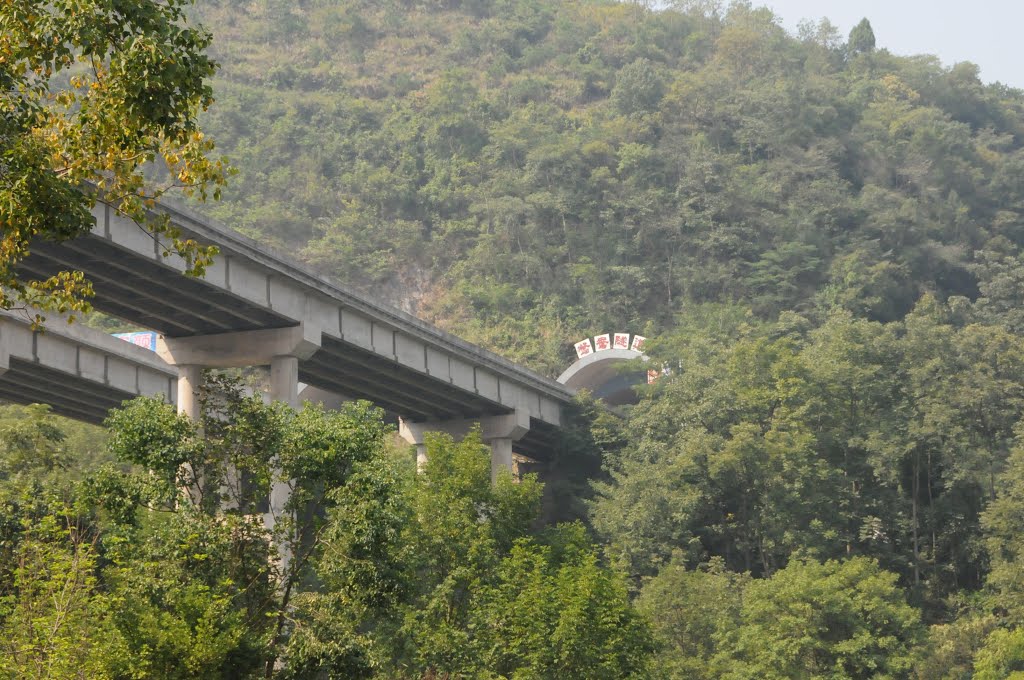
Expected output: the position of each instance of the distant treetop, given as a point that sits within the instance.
(862, 38)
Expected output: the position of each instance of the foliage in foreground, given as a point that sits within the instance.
(390, 574)
(792, 454)
(90, 93)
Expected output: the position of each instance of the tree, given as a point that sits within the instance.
(638, 88)
(443, 574)
(554, 612)
(862, 38)
(722, 462)
(219, 573)
(54, 623)
(833, 620)
(91, 95)
(1003, 522)
(1002, 656)
(494, 598)
(690, 612)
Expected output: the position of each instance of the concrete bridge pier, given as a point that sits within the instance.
(190, 380)
(497, 431)
(279, 348)
(284, 387)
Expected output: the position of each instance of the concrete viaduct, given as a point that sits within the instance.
(257, 308)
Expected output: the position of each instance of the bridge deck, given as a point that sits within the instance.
(368, 349)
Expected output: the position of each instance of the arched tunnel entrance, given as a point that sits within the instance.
(604, 373)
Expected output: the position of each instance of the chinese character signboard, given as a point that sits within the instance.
(145, 340)
(600, 343)
(583, 348)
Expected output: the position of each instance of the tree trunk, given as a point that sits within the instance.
(915, 483)
(931, 511)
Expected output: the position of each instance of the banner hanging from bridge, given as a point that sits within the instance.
(144, 339)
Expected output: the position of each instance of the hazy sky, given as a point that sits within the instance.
(986, 32)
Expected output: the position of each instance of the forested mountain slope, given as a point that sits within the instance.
(524, 172)
(822, 241)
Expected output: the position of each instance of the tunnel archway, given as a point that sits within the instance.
(602, 373)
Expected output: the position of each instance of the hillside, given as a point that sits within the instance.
(525, 172)
(823, 243)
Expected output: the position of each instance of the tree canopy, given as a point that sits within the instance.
(92, 95)
(107, 573)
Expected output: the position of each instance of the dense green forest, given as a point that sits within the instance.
(821, 239)
(524, 172)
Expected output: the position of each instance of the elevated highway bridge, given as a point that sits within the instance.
(259, 308)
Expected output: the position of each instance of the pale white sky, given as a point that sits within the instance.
(985, 32)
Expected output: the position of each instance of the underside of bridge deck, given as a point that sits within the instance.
(147, 293)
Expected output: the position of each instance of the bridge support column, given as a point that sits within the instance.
(499, 432)
(415, 434)
(284, 387)
(501, 457)
(190, 379)
(280, 348)
(284, 380)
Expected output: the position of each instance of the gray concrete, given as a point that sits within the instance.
(501, 456)
(79, 371)
(349, 344)
(499, 432)
(238, 350)
(190, 378)
(330, 401)
(190, 381)
(602, 373)
(284, 380)
(284, 387)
